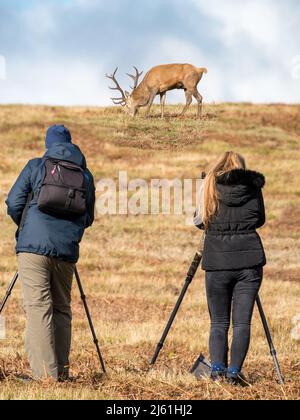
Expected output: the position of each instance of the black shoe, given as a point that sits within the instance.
(236, 379)
(217, 375)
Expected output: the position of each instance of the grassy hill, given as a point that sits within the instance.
(133, 267)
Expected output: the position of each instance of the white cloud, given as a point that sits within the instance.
(295, 67)
(40, 20)
(2, 67)
(258, 20)
(261, 88)
(71, 83)
(260, 38)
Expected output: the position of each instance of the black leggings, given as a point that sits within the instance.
(236, 290)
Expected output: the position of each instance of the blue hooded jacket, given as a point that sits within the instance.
(41, 233)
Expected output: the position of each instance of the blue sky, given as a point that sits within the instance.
(57, 51)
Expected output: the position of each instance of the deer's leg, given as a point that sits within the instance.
(199, 99)
(150, 103)
(163, 103)
(189, 100)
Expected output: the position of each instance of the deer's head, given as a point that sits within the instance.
(126, 100)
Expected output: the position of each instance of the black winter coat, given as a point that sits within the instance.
(232, 242)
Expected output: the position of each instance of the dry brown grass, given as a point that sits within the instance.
(133, 268)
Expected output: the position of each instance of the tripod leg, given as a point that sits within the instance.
(170, 323)
(8, 293)
(191, 274)
(96, 342)
(270, 341)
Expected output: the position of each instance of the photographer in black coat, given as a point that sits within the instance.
(232, 208)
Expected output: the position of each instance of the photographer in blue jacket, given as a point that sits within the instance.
(52, 203)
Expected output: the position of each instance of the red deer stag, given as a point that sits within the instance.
(158, 81)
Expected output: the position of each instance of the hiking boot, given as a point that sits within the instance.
(218, 371)
(217, 376)
(236, 379)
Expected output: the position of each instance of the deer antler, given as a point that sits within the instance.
(135, 77)
(117, 101)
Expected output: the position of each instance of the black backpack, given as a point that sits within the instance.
(63, 191)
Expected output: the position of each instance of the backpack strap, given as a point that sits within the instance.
(25, 211)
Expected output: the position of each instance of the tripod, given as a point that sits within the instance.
(190, 276)
(87, 311)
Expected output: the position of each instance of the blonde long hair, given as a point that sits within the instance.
(228, 162)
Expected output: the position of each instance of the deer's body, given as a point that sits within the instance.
(161, 79)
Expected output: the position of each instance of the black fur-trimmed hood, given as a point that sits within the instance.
(242, 177)
(239, 186)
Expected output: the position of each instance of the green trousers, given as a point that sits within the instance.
(46, 287)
